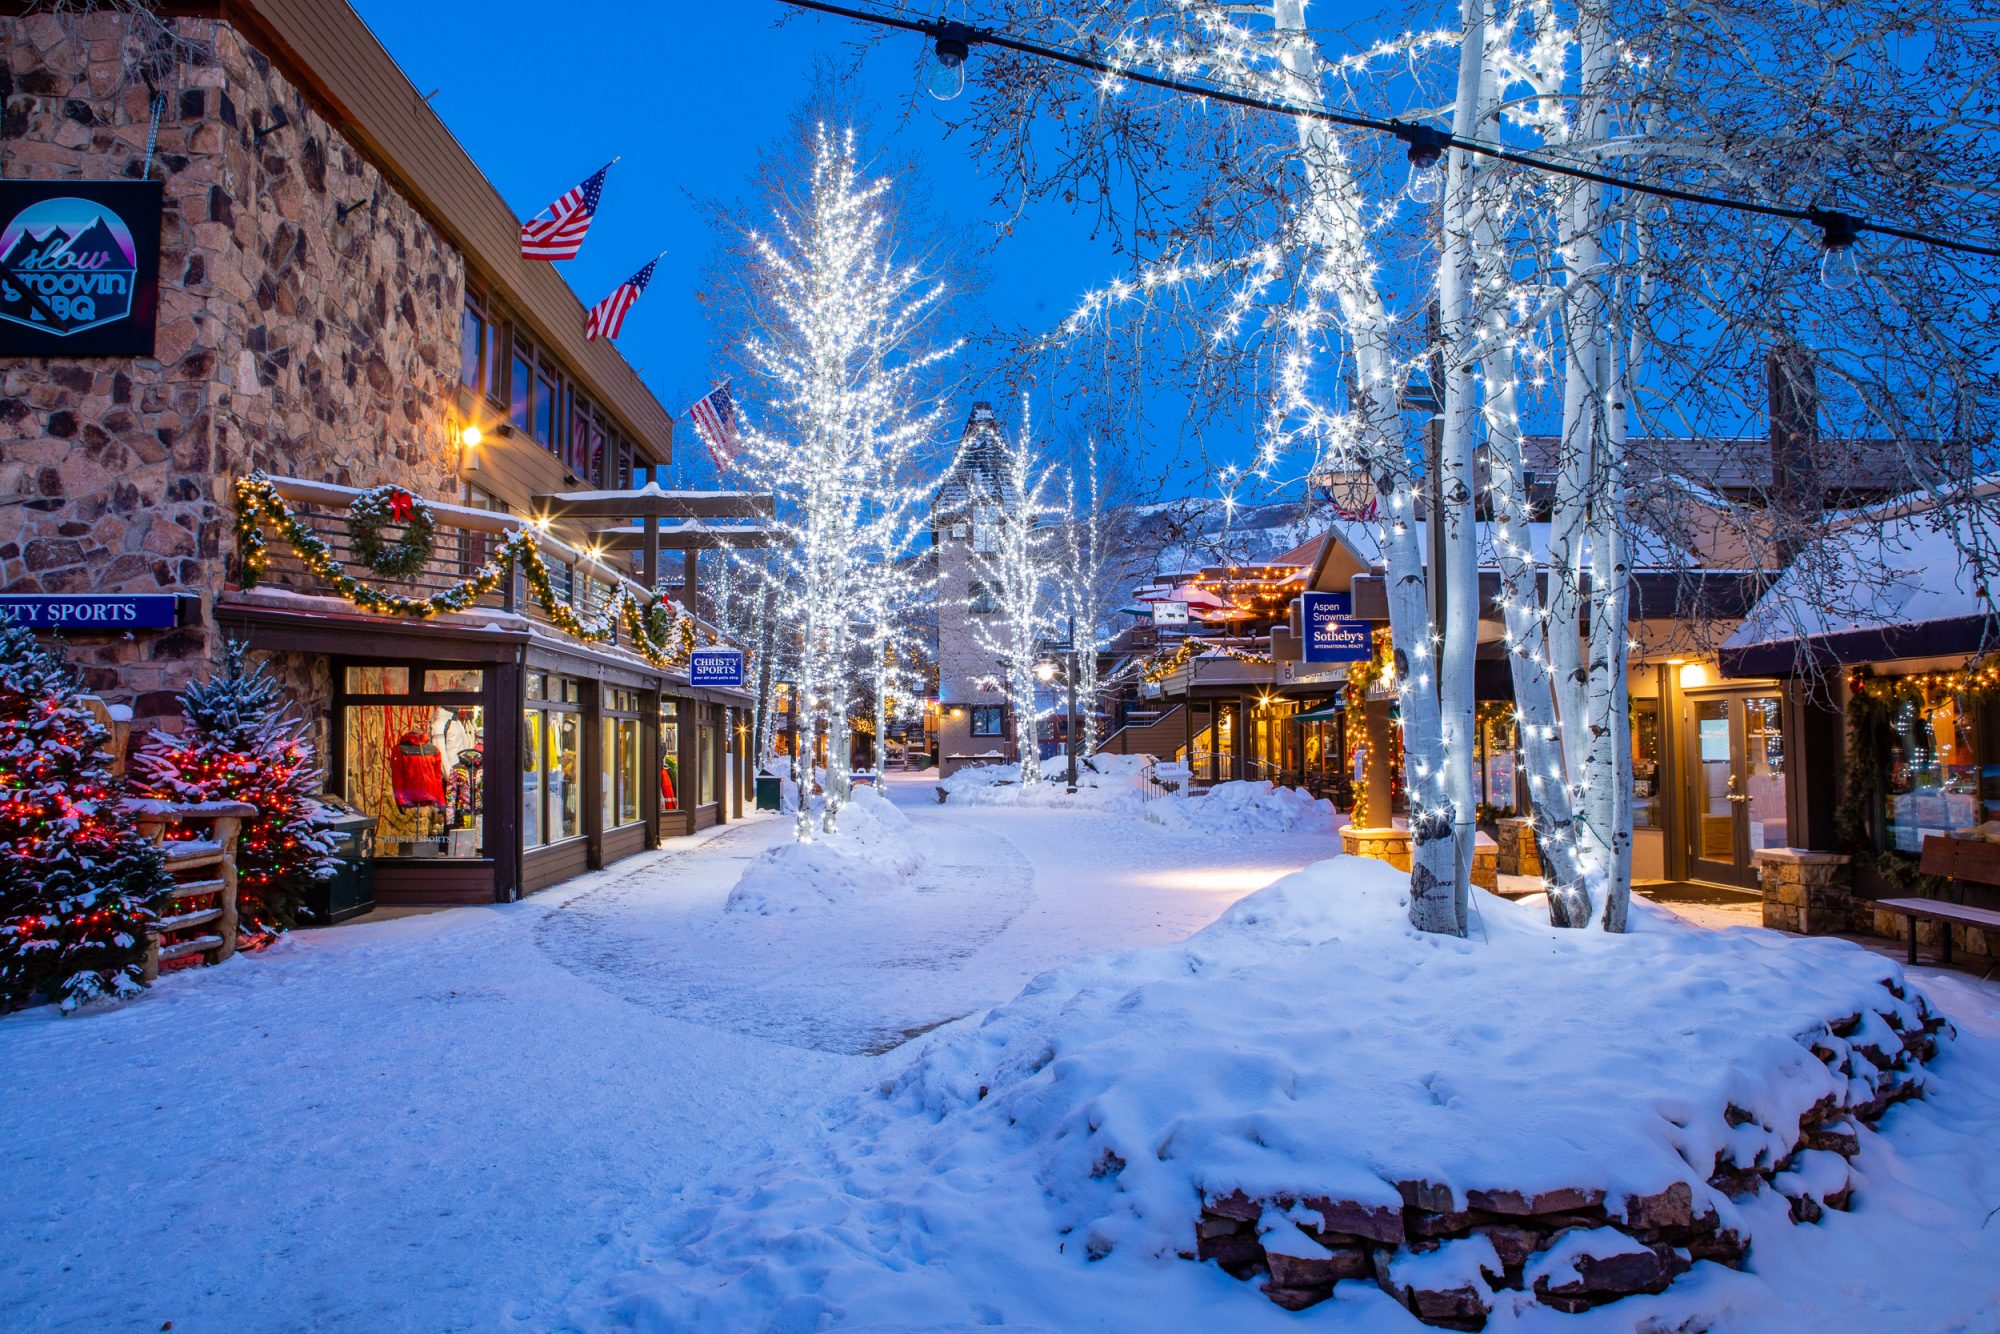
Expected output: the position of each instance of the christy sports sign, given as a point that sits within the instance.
(716, 667)
(93, 611)
(79, 267)
(1332, 633)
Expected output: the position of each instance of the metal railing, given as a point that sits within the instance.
(463, 541)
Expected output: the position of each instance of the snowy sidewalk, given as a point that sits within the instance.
(451, 1121)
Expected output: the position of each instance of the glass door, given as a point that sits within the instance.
(1738, 768)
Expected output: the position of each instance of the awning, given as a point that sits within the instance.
(1325, 713)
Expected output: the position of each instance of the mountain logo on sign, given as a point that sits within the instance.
(66, 265)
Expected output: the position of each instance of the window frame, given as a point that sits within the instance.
(543, 708)
(996, 712)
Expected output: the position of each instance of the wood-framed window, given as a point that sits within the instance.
(551, 760)
(622, 761)
(989, 720)
(412, 753)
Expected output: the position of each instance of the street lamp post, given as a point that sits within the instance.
(1045, 672)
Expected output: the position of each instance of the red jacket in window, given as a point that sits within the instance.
(416, 772)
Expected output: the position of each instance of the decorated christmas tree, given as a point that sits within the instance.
(78, 883)
(242, 743)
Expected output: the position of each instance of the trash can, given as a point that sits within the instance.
(770, 796)
(350, 891)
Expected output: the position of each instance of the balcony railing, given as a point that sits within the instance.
(463, 542)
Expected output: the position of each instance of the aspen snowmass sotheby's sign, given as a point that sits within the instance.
(1332, 633)
(93, 611)
(716, 667)
(79, 267)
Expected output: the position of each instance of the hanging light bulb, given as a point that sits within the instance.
(948, 63)
(1426, 153)
(1839, 264)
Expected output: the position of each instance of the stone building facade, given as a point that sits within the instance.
(343, 305)
(289, 339)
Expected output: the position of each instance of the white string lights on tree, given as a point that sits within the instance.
(838, 380)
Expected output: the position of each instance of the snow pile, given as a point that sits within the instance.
(1244, 808)
(1104, 782)
(1309, 1046)
(873, 853)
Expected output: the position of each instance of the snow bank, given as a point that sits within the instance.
(1235, 809)
(872, 853)
(1310, 1053)
(1106, 782)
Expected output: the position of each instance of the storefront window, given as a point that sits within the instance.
(706, 761)
(416, 762)
(1933, 781)
(1646, 764)
(621, 757)
(670, 755)
(1496, 748)
(552, 761)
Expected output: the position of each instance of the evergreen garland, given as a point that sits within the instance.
(655, 631)
(78, 883)
(373, 510)
(243, 743)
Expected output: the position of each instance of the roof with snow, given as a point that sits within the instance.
(1899, 580)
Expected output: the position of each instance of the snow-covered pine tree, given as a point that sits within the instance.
(243, 743)
(78, 883)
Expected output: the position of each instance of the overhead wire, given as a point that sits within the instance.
(1837, 226)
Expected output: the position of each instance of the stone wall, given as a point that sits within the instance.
(287, 340)
(1806, 892)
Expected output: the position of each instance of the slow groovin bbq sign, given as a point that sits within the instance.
(79, 268)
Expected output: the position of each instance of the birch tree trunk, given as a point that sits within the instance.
(1334, 199)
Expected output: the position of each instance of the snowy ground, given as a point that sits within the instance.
(516, 1117)
(463, 1119)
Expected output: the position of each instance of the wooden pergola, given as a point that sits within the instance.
(654, 520)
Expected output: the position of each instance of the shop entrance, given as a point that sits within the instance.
(1736, 758)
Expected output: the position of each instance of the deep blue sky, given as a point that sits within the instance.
(687, 93)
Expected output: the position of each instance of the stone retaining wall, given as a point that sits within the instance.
(1805, 892)
(1636, 1244)
(1384, 845)
(1517, 853)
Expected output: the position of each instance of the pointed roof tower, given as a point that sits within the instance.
(980, 468)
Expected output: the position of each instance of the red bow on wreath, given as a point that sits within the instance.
(400, 502)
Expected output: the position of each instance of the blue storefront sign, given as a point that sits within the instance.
(1332, 633)
(93, 611)
(716, 667)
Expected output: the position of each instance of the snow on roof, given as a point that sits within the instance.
(1880, 569)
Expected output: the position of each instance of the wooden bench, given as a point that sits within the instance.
(1962, 861)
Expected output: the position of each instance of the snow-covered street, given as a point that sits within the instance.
(458, 1120)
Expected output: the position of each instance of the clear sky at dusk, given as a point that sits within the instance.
(686, 94)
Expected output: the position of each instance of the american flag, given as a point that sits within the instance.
(715, 421)
(607, 317)
(561, 236)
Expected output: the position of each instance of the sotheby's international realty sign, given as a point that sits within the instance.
(79, 268)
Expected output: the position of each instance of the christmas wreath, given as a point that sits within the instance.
(374, 509)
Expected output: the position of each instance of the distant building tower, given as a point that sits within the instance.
(973, 722)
